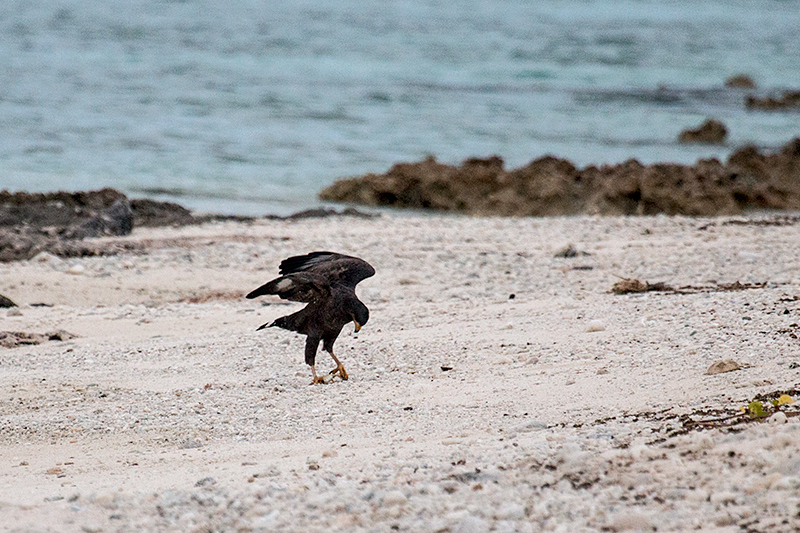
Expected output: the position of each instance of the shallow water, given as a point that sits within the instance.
(249, 107)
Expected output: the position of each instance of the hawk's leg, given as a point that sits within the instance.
(339, 367)
(311, 353)
(315, 378)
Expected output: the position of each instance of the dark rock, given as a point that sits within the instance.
(149, 213)
(60, 222)
(425, 185)
(53, 210)
(551, 186)
(740, 81)
(789, 100)
(6, 302)
(104, 212)
(20, 244)
(546, 186)
(115, 220)
(323, 212)
(710, 132)
(569, 252)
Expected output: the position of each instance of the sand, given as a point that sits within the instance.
(496, 387)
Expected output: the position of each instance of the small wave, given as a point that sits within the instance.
(227, 157)
(483, 88)
(338, 114)
(43, 149)
(661, 96)
(162, 191)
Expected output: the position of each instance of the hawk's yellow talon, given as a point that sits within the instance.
(340, 370)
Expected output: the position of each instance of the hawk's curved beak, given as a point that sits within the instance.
(358, 326)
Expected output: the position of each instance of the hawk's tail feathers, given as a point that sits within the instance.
(291, 322)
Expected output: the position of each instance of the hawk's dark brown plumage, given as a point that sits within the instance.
(326, 281)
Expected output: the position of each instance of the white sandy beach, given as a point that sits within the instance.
(560, 410)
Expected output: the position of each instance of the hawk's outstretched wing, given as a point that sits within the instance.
(336, 268)
(305, 278)
(297, 287)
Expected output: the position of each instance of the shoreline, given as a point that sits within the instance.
(561, 408)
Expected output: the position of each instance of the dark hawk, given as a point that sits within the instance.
(326, 281)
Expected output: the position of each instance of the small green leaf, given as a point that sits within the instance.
(756, 409)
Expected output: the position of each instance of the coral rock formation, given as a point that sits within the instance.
(552, 186)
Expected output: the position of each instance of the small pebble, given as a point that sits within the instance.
(595, 325)
(778, 418)
(76, 270)
(720, 367)
(44, 257)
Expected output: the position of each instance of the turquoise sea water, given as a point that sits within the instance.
(250, 107)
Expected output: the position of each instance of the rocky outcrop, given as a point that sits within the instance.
(149, 213)
(117, 219)
(709, 132)
(33, 222)
(789, 100)
(551, 186)
(740, 81)
(60, 222)
(113, 213)
(322, 212)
